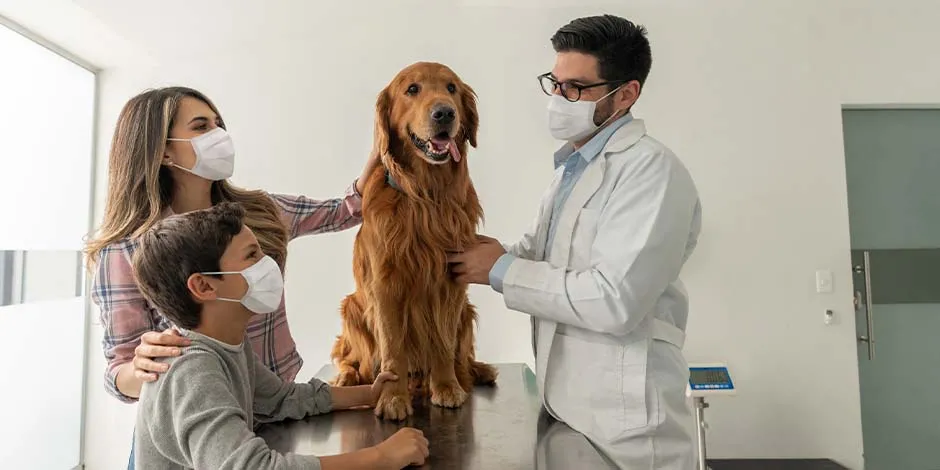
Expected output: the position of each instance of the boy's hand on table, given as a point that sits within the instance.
(406, 447)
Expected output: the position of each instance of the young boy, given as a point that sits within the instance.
(205, 271)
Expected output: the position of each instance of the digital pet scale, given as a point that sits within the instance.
(706, 379)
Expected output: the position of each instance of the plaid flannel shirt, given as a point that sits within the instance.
(126, 315)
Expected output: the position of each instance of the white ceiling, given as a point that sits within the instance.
(71, 28)
(176, 29)
(113, 32)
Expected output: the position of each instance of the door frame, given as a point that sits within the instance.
(870, 106)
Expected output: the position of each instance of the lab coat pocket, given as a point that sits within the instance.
(619, 400)
(633, 385)
(605, 386)
(582, 239)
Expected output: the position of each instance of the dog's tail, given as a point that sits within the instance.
(343, 354)
(349, 309)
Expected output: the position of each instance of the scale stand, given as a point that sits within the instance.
(704, 380)
(700, 426)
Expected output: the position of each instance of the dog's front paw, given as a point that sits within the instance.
(394, 407)
(483, 374)
(449, 395)
(346, 378)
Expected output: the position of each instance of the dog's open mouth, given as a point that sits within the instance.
(438, 148)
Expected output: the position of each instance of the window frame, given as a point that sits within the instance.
(11, 269)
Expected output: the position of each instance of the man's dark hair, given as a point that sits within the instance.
(178, 246)
(620, 46)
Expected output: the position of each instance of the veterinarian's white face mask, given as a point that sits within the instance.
(573, 121)
(215, 155)
(265, 286)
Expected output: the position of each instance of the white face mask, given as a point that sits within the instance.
(215, 155)
(573, 121)
(265, 286)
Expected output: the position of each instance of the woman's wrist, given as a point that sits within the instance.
(360, 184)
(126, 381)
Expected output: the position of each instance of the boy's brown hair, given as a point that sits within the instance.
(177, 247)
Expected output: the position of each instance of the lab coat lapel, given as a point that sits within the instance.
(542, 329)
(545, 334)
(545, 221)
(589, 182)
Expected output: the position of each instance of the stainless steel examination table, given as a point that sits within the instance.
(498, 428)
(501, 427)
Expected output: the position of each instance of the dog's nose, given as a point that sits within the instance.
(442, 114)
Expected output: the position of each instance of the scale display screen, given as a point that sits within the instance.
(710, 378)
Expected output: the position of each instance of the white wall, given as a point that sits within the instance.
(747, 93)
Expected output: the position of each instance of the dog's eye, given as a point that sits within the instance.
(452, 88)
(413, 89)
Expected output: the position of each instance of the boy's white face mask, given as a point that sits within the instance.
(265, 286)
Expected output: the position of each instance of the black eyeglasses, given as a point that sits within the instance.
(570, 91)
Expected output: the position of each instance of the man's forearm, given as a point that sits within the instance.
(128, 383)
(351, 397)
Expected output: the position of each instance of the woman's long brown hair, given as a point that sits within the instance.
(140, 188)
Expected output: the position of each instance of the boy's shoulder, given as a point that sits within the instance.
(195, 361)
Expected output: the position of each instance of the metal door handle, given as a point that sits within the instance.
(869, 337)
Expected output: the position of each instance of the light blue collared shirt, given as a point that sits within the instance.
(574, 161)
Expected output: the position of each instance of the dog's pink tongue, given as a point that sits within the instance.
(454, 151)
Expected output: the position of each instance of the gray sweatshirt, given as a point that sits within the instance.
(201, 413)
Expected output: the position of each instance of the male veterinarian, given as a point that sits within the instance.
(599, 271)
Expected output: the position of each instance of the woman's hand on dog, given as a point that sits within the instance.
(374, 160)
(379, 384)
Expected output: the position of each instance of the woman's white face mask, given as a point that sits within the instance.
(215, 155)
(572, 121)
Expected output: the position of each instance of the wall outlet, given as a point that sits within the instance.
(824, 281)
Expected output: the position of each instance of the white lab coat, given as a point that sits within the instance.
(608, 309)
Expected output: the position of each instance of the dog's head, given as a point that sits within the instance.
(426, 116)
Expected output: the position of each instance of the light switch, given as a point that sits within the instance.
(824, 281)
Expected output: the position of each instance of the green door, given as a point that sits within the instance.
(893, 181)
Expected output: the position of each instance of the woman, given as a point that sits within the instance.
(170, 154)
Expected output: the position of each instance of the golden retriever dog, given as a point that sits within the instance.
(407, 314)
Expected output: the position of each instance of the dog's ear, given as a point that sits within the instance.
(471, 119)
(380, 138)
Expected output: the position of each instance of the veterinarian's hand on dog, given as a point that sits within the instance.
(379, 384)
(473, 265)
